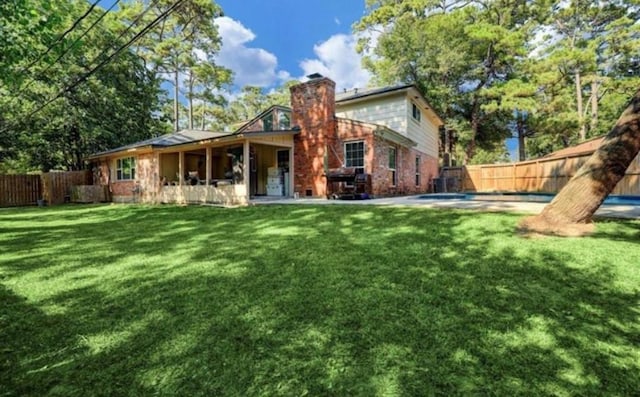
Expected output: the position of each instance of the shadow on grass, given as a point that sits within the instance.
(330, 300)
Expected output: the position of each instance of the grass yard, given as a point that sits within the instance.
(312, 300)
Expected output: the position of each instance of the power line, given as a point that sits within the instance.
(66, 51)
(61, 37)
(84, 77)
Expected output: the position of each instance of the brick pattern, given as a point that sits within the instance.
(313, 110)
(405, 170)
(146, 186)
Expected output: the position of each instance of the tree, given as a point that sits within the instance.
(181, 48)
(581, 67)
(456, 52)
(113, 107)
(252, 101)
(571, 211)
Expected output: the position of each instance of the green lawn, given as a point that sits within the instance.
(312, 300)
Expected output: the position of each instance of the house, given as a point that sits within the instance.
(389, 135)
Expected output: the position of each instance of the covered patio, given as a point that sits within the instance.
(228, 170)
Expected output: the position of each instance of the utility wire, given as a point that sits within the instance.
(66, 51)
(61, 37)
(84, 77)
(135, 21)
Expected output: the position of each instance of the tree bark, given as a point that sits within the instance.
(191, 99)
(176, 101)
(522, 153)
(579, 100)
(594, 104)
(571, 211)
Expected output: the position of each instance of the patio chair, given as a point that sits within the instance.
(193, 178)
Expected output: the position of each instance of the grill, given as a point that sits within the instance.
(348, 184)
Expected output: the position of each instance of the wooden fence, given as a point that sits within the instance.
(542, 175)
(17, 190)
(54, 187)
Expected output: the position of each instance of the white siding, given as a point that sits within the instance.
(395, 112)
(388, 111)
(424, 133)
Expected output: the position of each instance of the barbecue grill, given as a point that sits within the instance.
(348, 184)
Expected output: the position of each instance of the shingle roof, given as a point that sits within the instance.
(356, 94)
(176, 138)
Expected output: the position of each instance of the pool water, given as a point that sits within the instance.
(525, 197)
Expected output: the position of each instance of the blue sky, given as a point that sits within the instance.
(266, 42)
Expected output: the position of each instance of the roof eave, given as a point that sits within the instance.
(120, 151)
(375, 94)
(393, 136)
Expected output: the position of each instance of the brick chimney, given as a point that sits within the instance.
(313, 106)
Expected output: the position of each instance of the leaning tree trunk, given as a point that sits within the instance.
(572, 209)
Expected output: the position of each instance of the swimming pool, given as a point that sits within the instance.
(523, 197)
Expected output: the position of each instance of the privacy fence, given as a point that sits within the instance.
(54, 187)
(542, 175)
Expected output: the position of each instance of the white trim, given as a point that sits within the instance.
(364, 152)
(134, 168)
(419, 113)
(394, 171)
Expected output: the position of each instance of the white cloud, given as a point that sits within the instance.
(338, 59)
(251, 66)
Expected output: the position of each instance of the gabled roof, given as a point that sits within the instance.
(261, 115)
(176, 138)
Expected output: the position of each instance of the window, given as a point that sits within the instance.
(415, 112)
(284, 121)
(267, 122)
(126, 169)
(417, 170)
(392, 164)
(354, 154)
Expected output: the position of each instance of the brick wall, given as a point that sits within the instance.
(144, 188)
(313, 110)
(405, 170)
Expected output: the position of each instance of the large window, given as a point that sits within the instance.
(417, 170)
(393, 157)
(126, 169)
(415, 112)
(354, 154)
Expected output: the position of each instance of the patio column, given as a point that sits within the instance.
(246, 168)
(181, 168)
(292, 187)
(208, 166)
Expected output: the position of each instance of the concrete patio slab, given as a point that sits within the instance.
(605, 211)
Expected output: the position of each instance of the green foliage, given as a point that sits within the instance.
(279, 300)
(253, 100)
(554, 72)
(114, 107)
(181, 50)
